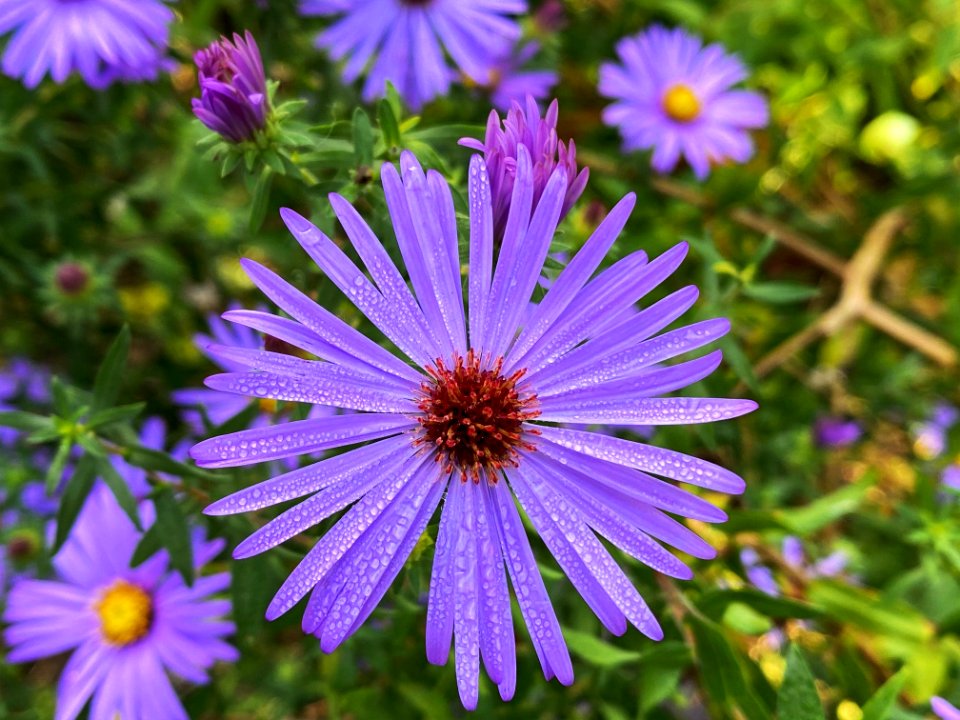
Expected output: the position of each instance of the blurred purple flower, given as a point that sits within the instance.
(523, 127)
(125, 627)
(21, 382)
(951, 476)
(466, 421)
(510, 83)
(930, 436)
(944, 710)
(233, 88)
(673, 95)
(795, 556)
(403, 41)
(833, 432)
(219, 407)
(759, 575)
(103, 40)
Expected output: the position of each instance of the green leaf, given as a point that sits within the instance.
(598, 652)
(798, 698)
(150, 544)
(28, 422)
(159, 461)
(388, 124)
(879, 706)
(121, 491)
(864, 609)
(715, 603)
(362, 139)
(780, 292)
(121, 413)
(106, 387)
(251, 588)
(55, 471)
(78, 488)
(261, 197)
(829, 508)
(174, 532)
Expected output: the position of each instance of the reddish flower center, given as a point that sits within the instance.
(474, 417)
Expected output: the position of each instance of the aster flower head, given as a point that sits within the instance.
(473, 421)
(105, 41)
(405, 42)
(125, 628)
(234, 100)
(674, 95)
(523, 127)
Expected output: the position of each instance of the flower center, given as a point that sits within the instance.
(125, 611)
(680, 103)
(474, 417)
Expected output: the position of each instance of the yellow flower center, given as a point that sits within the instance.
(125, 612)
(680, 103)
(267, 405)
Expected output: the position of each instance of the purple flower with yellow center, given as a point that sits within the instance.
(405, 42)
(474, 421)
(674, 95)
(233, 101)
(943, 709)
(523, 127)
(103, 40)
(124, 627)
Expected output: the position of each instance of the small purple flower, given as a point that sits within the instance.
(930, 436)
(944, 710)
(233, 101)
(673, 95)
(125, 627)
(510, 83)
(21, 381)
(103, 40)
(403, 41)
(466, 422)
(523, 127)
(219, 407)
(951, 476)
(833, 432)
(795, 556)
(759, 575)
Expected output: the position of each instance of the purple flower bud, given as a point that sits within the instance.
(951, 476)
(835, 432)
(944, 710)
(72, 278)
(233, 88)
(524, 126)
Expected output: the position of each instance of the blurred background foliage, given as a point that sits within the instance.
(865, 100)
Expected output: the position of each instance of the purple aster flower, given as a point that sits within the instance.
(125, 627)
(944, 710)
(233, 88)
(474, 422)
(404, 41)
(538, 137)
(103, 40)
(509, 83)
(674, 96)
(219, 407)
(832, 432)
(759, 575)
(951, 476)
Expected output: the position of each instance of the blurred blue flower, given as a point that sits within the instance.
(124, 627)
(103, 40)
(673, 95)
(404, 41)
(233, 88)
(834, 432)
(510, 83)
(466, 422)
